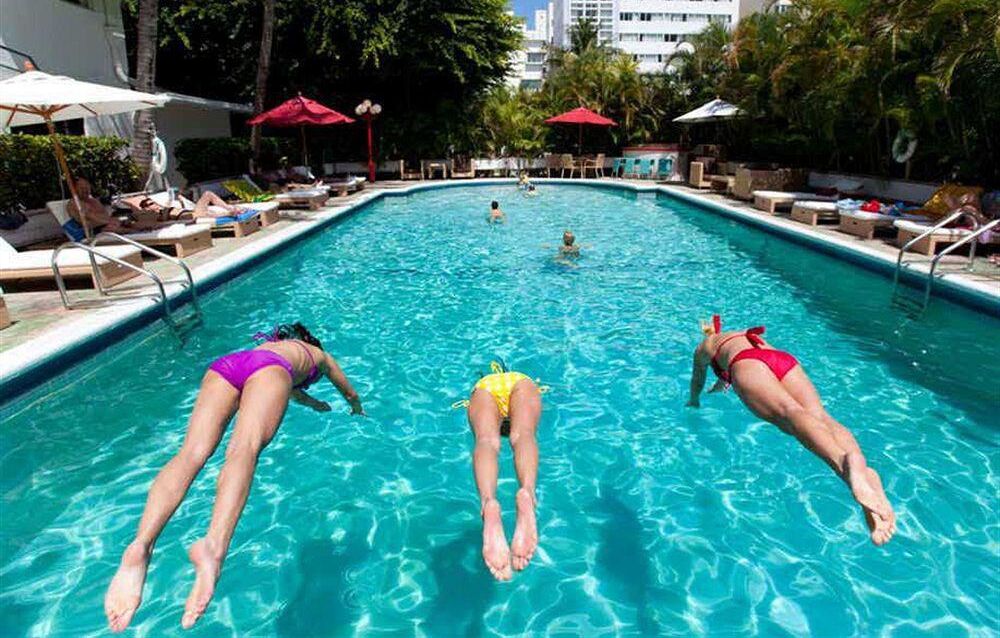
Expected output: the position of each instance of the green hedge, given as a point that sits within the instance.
(30, 175)
(204, 158)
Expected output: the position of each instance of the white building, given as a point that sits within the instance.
(650, 30)
(528, 63)
(85, 39)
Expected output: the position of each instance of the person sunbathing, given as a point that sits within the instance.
(496, 215)
(93, 210)
(208, 205)
(773, 385)
(506, 403)
(256, 385)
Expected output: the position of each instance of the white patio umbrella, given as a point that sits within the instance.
(34, 97)
(711, 112)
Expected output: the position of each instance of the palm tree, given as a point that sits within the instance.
(145, 72)
(583, 36)
(263, 67)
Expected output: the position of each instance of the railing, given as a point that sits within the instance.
(93, 252)
(972, 237)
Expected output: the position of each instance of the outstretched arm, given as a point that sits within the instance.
(302, 398)
(699, 372)
(339, 379)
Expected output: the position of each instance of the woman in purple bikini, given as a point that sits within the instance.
(257, 384)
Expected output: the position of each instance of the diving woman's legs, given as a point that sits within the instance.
(525, 411)
(484, 418)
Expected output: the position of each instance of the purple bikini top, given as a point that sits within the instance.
(314, 373)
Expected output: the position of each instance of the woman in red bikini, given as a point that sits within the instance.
(258, 384)
(775, 388)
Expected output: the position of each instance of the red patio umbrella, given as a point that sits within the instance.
(300, 111)
(581, 117)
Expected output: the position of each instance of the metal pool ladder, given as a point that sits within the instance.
(161, 296)
(929, 281)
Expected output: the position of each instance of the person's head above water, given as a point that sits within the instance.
(495, 205)
(568, 238)
(286, 331)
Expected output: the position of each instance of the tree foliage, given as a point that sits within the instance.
(429, 63)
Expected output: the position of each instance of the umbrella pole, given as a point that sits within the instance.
(305, 152)
(61, 158)
(579, 141)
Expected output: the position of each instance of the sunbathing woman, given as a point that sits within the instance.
(208, 205)
(506, 403)
(258, 384)
(775, 388)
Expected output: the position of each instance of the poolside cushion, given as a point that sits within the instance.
(228, 219)
(70, 257)
(941, 233)
(792, 196)
(819, 207)
(173, 231)
(879, 217)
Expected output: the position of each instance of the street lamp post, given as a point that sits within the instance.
(368, 110)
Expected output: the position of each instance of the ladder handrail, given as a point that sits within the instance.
(941, 224)
(973, 236)
(160, 254)
(92, 251)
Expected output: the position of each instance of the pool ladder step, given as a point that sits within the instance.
(178, 325)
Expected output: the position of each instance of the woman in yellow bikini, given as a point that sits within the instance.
(506, 403)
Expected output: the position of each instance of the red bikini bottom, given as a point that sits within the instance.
(778, 361)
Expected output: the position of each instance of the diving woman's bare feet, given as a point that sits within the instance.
(526, 532)
(867, 492)
(496, 553)
(882, 528)
(207, 559)
(125, 591)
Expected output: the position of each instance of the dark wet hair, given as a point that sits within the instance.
(494, 204)
(295, 331)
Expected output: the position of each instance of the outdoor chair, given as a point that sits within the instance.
(596, 165)
(645, 169)
(629, 165)
(464, 170)
(409, 173)
(664, 167)
(696, 176)
(566, 163)
(36, 265)
(616, 167)
(185, 238)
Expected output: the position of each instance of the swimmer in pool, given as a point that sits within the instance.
(506, 403)
(773, 385)
(523, 182)
(496, 215)
(569, 247)
(256, 385)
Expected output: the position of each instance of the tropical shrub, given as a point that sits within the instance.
(204, 158)
(30, 174)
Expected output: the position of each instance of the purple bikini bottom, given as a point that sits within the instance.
(237, 367)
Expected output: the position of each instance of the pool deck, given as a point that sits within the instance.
(43, 329)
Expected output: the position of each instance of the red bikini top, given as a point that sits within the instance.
(752, 335)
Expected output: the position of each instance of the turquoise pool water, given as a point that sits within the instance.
(655, 519)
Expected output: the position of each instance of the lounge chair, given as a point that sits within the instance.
(73, 262)
(463, 171)
(769, 201)
(812, 213)
(185, 239)
(864, 224)
(664, 168)
(909, 229)
(696, 176)
(782, 179)
(630, 166)
(645, 169)
(5, 321)
(245, 189)
(344, 185)
(248, 220)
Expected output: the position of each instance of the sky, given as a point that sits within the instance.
(526, 8)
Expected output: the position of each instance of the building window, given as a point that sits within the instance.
(625, 17)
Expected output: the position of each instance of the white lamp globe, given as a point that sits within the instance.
(360, 109)
(376, 109)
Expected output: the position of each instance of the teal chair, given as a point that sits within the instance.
(645, 170)
(664, 167)
(628, 166)
(616, 165)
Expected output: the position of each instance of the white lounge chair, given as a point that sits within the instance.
(345, 185)
(864, 224)
(73, 262)
(813, 213)
(769, 201)
(909, 229)
(185, 239)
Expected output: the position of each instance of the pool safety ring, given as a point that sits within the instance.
(158, 159)
(904, 146)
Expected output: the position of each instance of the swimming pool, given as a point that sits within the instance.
(654, 519)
